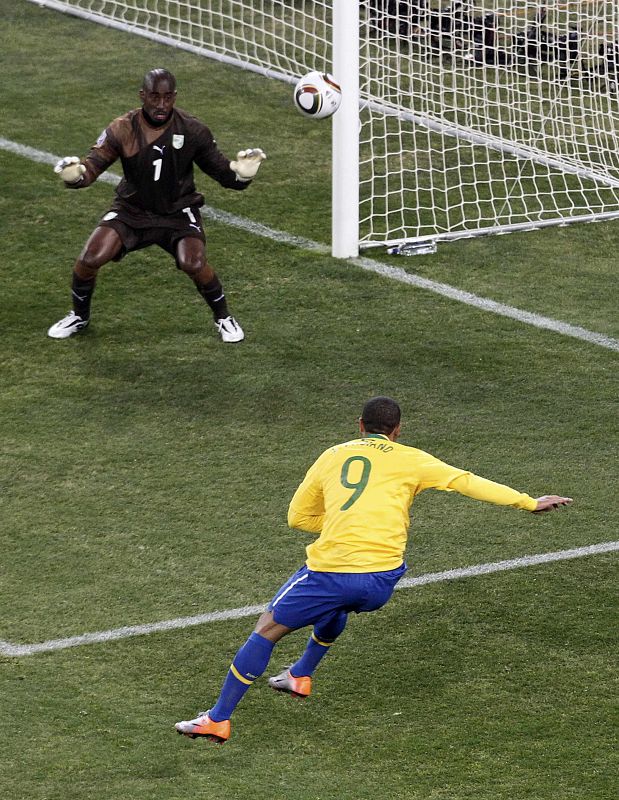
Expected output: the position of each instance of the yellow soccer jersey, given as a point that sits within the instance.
(357, 495)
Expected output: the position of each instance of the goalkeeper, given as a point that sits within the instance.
(157, 202)
(356, 497)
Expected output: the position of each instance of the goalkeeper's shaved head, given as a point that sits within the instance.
(381, 415)
(152, 78)
(158, 95)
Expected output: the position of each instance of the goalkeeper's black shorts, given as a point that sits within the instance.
(139, 229)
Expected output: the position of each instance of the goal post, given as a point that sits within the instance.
(459, 118)
(345, 167)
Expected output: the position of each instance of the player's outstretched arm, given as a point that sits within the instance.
(550, 501)
(480, 488)
(70, 169)
(247, 163)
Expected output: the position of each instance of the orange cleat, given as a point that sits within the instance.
(297, 687)
(203, 725)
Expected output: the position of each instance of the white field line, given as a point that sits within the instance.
(367, 264)
(9, 649)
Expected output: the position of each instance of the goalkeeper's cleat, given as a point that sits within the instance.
(204, 726)
(229, 330)
(67, 326)
(286, 682)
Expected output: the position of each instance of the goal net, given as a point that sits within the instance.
(473, 117)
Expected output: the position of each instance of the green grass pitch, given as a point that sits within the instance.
(145, 472)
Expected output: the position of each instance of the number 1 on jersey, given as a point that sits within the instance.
(359, 485)
(157, 165)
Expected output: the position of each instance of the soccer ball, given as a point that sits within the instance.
(317, 95)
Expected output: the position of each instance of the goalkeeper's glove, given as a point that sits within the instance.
(247, 163)
(70, 169)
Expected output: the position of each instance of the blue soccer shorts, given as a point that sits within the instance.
(308, 597)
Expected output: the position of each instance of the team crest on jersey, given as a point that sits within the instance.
(101, 138)
(178, 140)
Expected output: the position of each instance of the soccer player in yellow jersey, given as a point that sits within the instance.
(357, 497)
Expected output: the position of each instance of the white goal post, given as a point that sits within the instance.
(461, 119)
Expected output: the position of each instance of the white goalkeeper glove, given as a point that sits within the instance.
(70, 169)
(247, 163)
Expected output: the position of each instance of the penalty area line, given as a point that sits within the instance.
(98, 637)
(367, 264)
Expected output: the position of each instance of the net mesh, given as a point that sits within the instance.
(475, 117)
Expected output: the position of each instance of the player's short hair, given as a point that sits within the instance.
(381, 415)
(156, 75)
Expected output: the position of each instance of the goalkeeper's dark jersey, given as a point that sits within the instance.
(158, 162)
